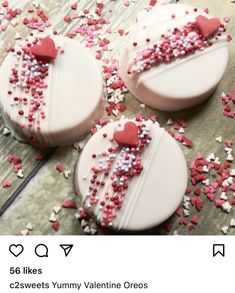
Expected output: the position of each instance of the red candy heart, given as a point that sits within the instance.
(127, 136)
(45, 50)
(206, 26)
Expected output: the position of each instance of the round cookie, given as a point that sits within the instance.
(174, 57)
(131, 175)
(51, 91)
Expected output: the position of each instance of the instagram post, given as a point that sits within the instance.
(116, 144)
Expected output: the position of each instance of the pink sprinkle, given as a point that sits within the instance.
(168, 226)
(121, 32)
(6, 184)
(187, 142)
(219, 202)
(69, 204)
(74, 6)
(194, 219)
(227, 18)
(30, 9)
(232, 187)
(179, 212)
(39, 156)
(183, 221)
(229, 143)
(211, 196)
(67, 19)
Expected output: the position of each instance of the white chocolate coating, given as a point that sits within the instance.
(182, 83)
(74, 97)
(151, 197)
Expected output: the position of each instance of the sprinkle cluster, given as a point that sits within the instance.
(29, 75)
(178, 43)
(119, 164)
(212, 178)
(228, 100)
(8, 15)
(115, 87)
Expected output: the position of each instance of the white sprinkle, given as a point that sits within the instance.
(87, 230)
(219, 139)
(20, 174)
(186, 205)
(84, 223)
(35, 3)
(6, 131)
(223, 196)
(67, 173)
(232, 172)
(57, 209)
(77, 216)
(93, 231)
(225, 230)
(186, 198)
(17, 36)
(24, 232)
(216, 161)
(169, 121)
(29, 226)
(226, 207)
(52, 218)
(181, 130)
(232, 222)
(228, 150)
(13, 22)
(143, 106)
(115, 112)
(206, 182)
(211, 157)
(186, 213)
(229, 158)
(205, 168)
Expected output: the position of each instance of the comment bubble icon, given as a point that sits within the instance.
(41, 250)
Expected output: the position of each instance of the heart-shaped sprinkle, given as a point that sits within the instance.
(128, 136)
(24, 232)
(45, 50)
(57, 209)
(52, 218)
(232, 222)
(29, 226)
(206, 26)
(225, 230)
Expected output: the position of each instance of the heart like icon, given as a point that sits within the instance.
(16, 249)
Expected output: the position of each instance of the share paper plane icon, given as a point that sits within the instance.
(67, 248)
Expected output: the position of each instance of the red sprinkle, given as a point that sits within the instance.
(55, 225)
(69, 204)
(60, 168)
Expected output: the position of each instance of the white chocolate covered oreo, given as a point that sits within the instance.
(51, 91)
(131, 175)
(174, 57)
